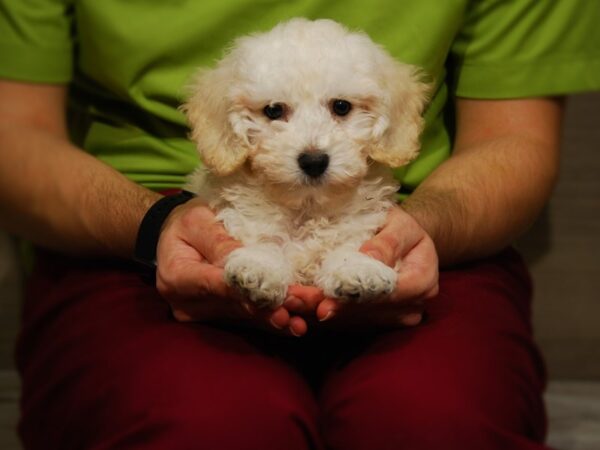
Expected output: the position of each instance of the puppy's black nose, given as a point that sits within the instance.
(313, 163)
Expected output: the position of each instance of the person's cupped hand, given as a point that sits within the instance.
(191, 253)
(401, 243)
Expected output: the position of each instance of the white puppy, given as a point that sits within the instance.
(297, 129)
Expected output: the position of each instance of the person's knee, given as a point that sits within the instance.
(176, 399)
(385, 414)
(253, 412)
(239, 426)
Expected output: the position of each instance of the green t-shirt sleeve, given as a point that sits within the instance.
(36, 42)
(522, 48)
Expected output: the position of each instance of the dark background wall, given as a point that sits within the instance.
(563, 251)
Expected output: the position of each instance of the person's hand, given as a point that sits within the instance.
(191, 253)
(401, 243)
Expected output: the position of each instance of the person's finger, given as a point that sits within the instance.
(219, 244)
(182, 315)
(327, 309)
(418, 274)
(185, 278)
(196, 225)
(278, 318)
(411, 320)
(295, 305)
(384, 246)
(302, 299)
(419, 283)
(297, 326)
(390, 241)
(229, 311)
(214, 243)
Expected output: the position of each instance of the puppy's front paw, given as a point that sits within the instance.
(258, 275)
(355, 276)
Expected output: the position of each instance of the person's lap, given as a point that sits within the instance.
(468, 377)
(104, 366)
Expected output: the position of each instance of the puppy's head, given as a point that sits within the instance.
(306, 104)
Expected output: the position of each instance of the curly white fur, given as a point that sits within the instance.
(298, 228)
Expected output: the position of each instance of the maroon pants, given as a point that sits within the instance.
(105, 367)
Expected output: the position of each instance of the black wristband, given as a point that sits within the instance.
(149, 231)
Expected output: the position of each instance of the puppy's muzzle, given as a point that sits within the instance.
(313, 163)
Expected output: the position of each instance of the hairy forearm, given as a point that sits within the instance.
(485, 196)
(57, 196)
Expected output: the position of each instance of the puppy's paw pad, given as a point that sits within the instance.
(264, 284)
(360, 281)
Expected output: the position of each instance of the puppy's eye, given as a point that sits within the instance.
(275, 111)
(341, 107)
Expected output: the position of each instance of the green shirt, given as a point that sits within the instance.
(128, 61)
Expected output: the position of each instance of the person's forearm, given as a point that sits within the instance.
(481, 199)
(62, 198)
(502, 170)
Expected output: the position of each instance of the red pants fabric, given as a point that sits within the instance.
(104, 366)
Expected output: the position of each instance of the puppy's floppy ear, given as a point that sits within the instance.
(208, 110)
(400, 126)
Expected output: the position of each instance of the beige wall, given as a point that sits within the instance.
(563, 249)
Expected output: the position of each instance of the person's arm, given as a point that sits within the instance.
(500, 174)
(51, 192)
(57, 196)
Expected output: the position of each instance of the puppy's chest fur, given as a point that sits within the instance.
(306, 231)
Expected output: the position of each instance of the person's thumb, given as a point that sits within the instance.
(199, 228)
(218, 244)
(383, 246)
